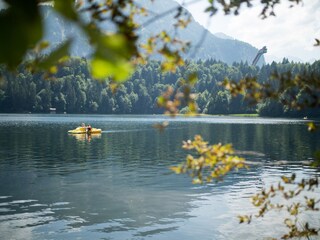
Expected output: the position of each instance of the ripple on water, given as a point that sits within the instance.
(118, 186)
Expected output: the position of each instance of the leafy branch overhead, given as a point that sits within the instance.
(21, 25)
(286, 196)
(294, 91)
(115, 55)
(172, 100)
(116, 51)
(233, 6)
(209, 162)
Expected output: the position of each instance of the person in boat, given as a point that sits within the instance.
(88, 128)
(83, 125)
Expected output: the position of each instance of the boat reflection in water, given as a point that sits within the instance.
(86, 136)
(83, 130)
(83, 133)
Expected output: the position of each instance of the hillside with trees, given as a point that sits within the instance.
(73, 90)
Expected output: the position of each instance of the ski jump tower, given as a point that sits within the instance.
(259, 54)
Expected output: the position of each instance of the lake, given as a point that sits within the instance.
(118, 185)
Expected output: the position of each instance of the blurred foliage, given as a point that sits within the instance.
(316, 162)
(21, 29)
(294, 91)
(115, 55)
(172, 100)
(233, 6)
(287, 196)
(210, 161)
(115, 51)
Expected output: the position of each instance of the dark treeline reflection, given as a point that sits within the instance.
(119, 176)
(278, 142)
(134, 140)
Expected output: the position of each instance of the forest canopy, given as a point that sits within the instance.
(71, 89)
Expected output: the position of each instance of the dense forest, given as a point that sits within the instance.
(72, 90)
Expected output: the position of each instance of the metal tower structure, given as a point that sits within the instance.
(259, 54)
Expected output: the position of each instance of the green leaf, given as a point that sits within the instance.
(285, 179)
(197, 181)
(112, 56)
(55, 56)
(193, 78)
(21, 29)
(316, 162)
(66, 8)
(311, 127)
(110, 46)
(161, 101)
(176, 169)
(42, 46)
(102, 68)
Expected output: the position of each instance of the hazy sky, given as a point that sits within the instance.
(290, 34)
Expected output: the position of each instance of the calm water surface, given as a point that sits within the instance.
(117, 185)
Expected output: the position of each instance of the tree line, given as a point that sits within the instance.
(71, 89)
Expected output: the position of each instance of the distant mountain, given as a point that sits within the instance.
(223, 36)
(220, 47)
(225, 49)
(58, 30)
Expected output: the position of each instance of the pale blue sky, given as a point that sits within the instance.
(290, 34)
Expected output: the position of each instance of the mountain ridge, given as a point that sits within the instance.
(214, 47)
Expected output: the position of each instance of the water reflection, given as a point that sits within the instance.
(86, 137)
(117, 186)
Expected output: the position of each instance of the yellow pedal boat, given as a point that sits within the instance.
(82, 130)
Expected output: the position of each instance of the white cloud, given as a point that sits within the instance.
(290, 34)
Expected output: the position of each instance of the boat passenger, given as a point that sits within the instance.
(88, 129)
(83, 125)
